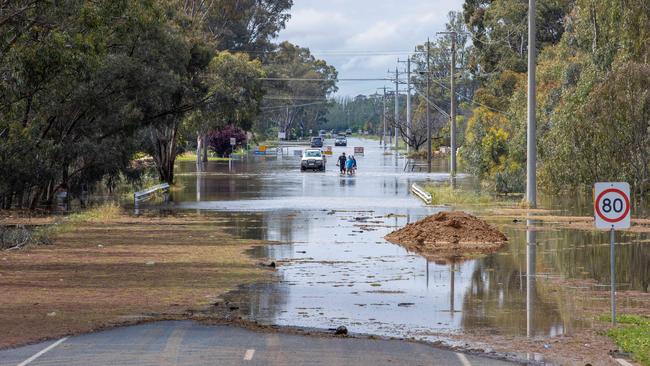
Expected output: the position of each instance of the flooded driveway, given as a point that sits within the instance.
(335, 268)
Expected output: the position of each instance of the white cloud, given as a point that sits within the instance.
(344, 31)
(380, 34)
(315, 28)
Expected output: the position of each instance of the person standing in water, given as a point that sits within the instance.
(348, 165)
(341, 163)
(354, 164)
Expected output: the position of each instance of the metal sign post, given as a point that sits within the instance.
(233, 142)
(612, 270)
(611, 212)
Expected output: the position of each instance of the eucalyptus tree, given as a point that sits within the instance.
(78, 79)
(298, 95)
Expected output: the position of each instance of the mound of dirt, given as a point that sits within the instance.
(449, 236)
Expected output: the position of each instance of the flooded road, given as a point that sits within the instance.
(335, 268)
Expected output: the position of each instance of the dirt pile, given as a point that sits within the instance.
(449, 236)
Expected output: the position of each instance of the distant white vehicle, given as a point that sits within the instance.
(312, 159)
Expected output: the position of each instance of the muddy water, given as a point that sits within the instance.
(336, 268)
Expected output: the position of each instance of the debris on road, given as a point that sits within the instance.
(342, 330)
(449, 236)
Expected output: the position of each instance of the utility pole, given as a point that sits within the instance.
(453, 104)
(452, 112)
(531, 166)
(383, 114)
(428, 112)
(396, 110)
(408, 104)
(407, 140)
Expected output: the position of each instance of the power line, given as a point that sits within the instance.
(471, 100)
(294, 97)
(291, 106)
(434, 105)
(323, 80)
(340, 52)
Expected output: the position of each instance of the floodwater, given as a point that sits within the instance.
(336, 268)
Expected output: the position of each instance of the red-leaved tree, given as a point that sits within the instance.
(219, 141)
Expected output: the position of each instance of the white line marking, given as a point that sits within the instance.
(42, 352)
(622, 362)
(463, 359)
(249, 355)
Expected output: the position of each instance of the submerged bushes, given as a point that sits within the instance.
(20, 236)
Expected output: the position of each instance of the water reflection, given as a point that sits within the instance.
(347, 181)
(452, 289)
(531, 272)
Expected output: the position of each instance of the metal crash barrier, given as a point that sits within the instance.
(147, 193)
(421, 193)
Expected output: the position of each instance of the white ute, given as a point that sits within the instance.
(312, 159)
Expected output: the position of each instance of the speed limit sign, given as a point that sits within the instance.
(612, 205)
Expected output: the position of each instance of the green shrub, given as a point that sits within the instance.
(632, 335)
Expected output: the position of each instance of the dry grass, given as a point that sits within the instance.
(446, 195)
(586, 223)
(105, 272)
(101, 213)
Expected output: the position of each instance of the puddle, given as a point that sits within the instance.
(335, 268)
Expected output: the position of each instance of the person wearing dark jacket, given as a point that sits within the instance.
(341, 163)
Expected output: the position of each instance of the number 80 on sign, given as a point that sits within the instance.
(612, 205)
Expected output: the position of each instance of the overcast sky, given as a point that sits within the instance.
(364, 38)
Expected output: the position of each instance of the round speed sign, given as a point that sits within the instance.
(612, 205)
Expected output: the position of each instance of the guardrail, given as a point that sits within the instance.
(421, 193)
(146, 194)
(294, 143)
(413, 165)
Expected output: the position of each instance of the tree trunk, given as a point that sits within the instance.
(199, 148)
(595, 30)
(36, 198)
(164, 150)
(19, 199)
(6, 204)
(204, 141)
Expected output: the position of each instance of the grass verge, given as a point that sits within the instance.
(441, 195)
(367, 137)
(107, 269)
(632, 335)
(192, 157)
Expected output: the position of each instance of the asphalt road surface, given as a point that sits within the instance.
(191, 343)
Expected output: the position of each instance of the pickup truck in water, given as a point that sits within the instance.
(312, 159)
